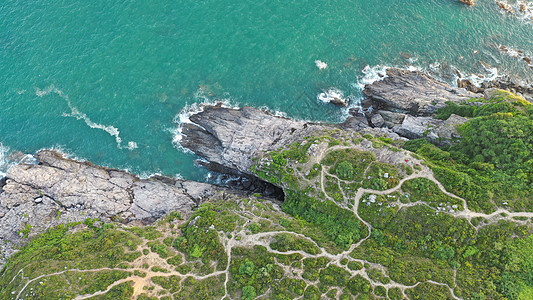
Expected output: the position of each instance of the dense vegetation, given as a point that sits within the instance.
(492, 165)
(402, 237)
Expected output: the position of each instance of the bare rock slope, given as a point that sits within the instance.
(59, 190)
(414, 93)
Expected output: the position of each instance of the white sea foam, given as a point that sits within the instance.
(4, 162)
(370, 75)
(75, 113)
(521, 9)
(516, 54)
(66, 153)
(435, 66)
(478, 79)
(276, 113)
(320, 64)
(330, 95)
(7, 159)
(132, 145)
(146, 175)
(183, 117)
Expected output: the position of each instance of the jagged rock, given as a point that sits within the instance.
(508, 8)
(230, 138)
(390, 118)
(413, 92)
(417, 127)
(356, 122)
(334, 96)
(384, 132)
(435, 131)
(377, 120)
(60, 190)
(447, 130)
(468, 85)
(506, 83)
(467, 2)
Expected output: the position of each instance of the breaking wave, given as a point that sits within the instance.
(75, 113)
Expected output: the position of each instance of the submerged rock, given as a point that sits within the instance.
(334, 96)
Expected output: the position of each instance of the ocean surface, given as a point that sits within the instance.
(109, 81)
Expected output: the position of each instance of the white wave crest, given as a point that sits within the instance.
(479, 79)
(518, 54)
(183, 117)
(332, 95)
(4, 162)
(75, 113)
(523, 10)
(276, 113)
(320, 64)
(370, 75)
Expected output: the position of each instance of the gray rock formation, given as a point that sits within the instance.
(377, 120)
(390, 118)
(436, 131)
(413, 92)
(60, 190)
(231, 138)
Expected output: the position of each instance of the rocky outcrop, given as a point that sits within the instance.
(436, 131)
(413, 92)
(334, 96)
(35, 197)
(230, 138)
(467, 2)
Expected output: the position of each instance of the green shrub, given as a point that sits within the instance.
(345, 170)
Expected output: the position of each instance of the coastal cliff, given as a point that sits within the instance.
(426, 194)
(57, 190)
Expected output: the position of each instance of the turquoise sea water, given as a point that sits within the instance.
(105, 80)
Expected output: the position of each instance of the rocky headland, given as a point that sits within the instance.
(57, 190)
(369, 208)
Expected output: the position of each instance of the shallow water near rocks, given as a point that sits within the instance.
(104, 81)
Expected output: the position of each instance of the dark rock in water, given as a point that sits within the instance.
(469, 85)
(508, 8)
(413, 92)
(406, 55)
(467, 2)
(334, 96)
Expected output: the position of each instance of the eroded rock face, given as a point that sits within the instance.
(436, 131)
(233, 137)
(413, 92)
(60, 190)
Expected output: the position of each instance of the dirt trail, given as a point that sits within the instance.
(265, 238)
